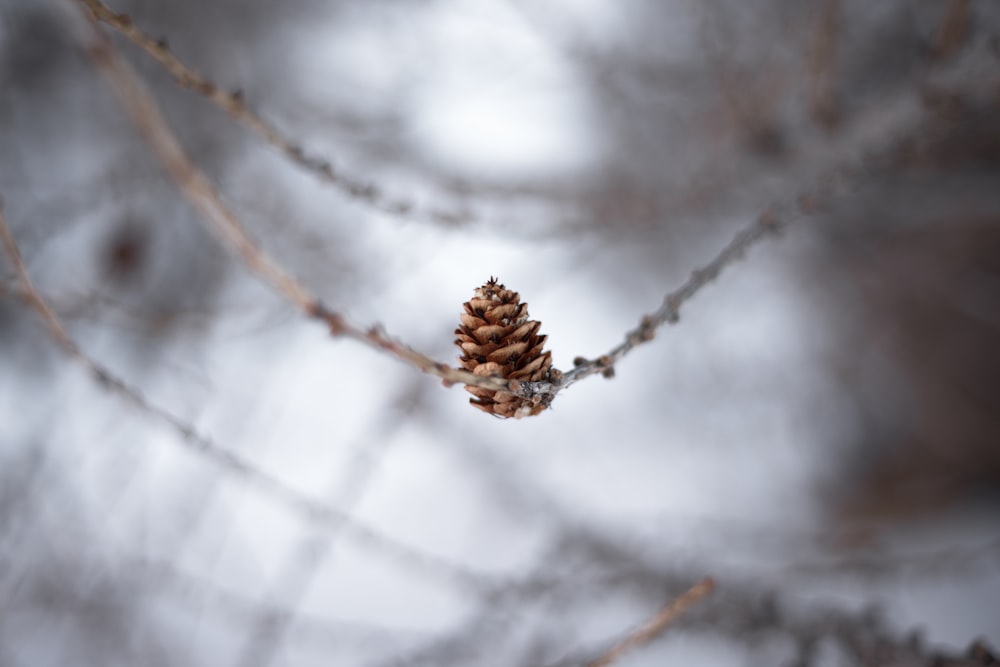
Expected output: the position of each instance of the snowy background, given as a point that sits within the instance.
(820, 433)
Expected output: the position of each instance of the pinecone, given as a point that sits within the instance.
(497, 338)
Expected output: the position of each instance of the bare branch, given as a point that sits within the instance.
(144, 112)
(658, 624)
(240, 469)
(830, 186)
(269, 628)
(767, 224)
(233, 103)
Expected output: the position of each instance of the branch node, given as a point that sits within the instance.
(332, 320)
(376, 334)
(647, 329)
(673, 308)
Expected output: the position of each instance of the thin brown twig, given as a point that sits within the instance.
(233, 104)
(657, 624)
(767, 224)
(25, 289)
(145, 114)
(834, 184)
(242, 470)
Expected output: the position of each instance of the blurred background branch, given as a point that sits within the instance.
(819, 434)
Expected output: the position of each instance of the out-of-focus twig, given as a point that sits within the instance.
(238, 608)
(949, 561)
(266, 633)
(234, 104)
(239, 469)
(658, 624)
(845, 177)
(145, 114)
(25, 289)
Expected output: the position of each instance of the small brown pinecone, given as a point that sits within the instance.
(498, 339)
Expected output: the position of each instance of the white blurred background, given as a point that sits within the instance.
(820, 432)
